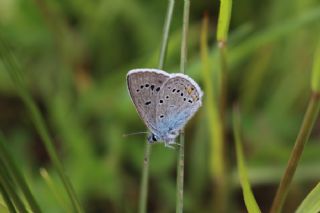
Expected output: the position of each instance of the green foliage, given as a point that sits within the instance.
(224, 19)
(315, 81)
(74, 56)
(249, 199)
(16, 176)
(13, 69)
(311, 202)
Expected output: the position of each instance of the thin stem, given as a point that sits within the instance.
(6, 182)
(7, 199)
(165, 36)
(144, 180)
(19, 179)
(215, 124)
(224, 70)
(14, 70)
(147, 153)
(303, 136)
(185, 29)
(183, 64)
(222, 164)
(221, 161)
(180, 176)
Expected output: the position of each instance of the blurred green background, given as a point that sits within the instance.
(75, 55)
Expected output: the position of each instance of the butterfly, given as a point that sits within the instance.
(165, 102)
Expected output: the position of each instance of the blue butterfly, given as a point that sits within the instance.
(165, 102)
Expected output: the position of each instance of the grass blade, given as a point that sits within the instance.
(304, 133)
(315, 79)
(9, 187)
(7, 199)
(144, 180)
(212, 110)
(54, 189)
(163, 51)
(220, 171)
(15, 73)
(311, 202)
(248, 196)
(183, 64)
(224, 20)
(6, 157)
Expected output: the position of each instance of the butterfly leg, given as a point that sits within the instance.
(168, 145)
(171, 144)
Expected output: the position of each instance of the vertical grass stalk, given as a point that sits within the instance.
(144, 180)
(8, 186)
(220, 160)
(183, 64)
(15, 73)
(7, 199)
(249, 199)
(302, 138)
(55, 190)
(147, 153)
(211, 104)
(8, 161)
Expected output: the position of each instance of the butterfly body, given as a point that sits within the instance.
(164, 101)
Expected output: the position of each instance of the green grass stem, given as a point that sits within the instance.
(148, 148)
(54, 190)
(249, 199)
(15, 73)
(183, 64)
(220, 171)
(10, 188)
(9, 162)
(212, 108)
(315, 80)
(303, 136)
(224, 20)
(7, 200)
(144, 180)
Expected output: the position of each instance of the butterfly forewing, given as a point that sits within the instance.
(178, 100)
(144, 86)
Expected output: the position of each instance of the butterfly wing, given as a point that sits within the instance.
(179, 99)
(144, 86)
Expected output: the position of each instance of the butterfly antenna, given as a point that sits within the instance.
(135, 133)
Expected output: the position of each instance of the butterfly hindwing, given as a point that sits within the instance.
(144, 86)
(178, 100)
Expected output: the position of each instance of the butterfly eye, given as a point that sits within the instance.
(154, 137)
